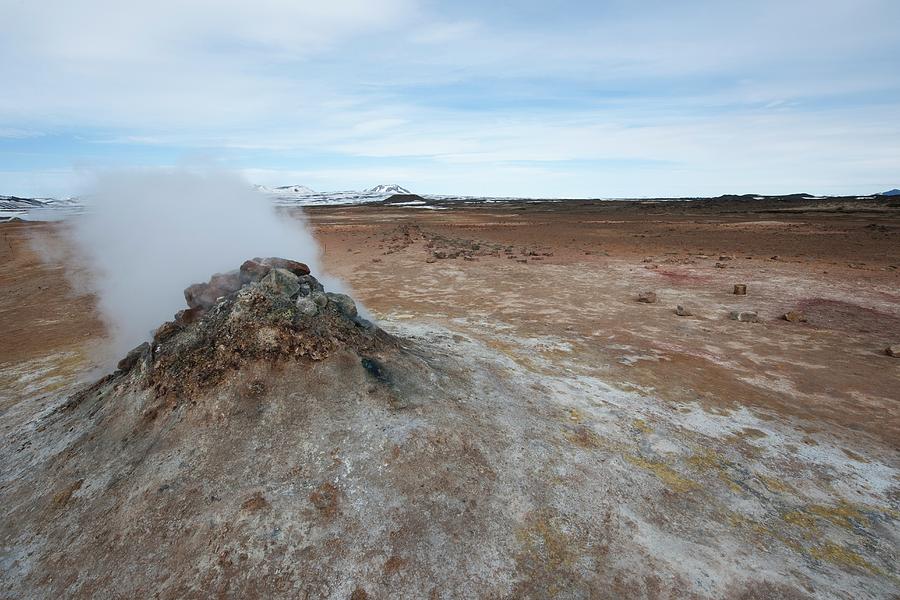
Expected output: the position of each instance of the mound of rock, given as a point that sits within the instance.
(270, 308)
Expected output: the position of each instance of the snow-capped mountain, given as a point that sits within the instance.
(392, 188)
(893, 192)
(33, 209)
(300, 195)
(299, 190)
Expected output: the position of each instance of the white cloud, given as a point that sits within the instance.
(752, 94)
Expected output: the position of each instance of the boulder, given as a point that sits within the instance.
(297, 268)
(893, 350)
(309, 284)
(744, 316)
(647, 297)
(204, 295)
(252, 271)
(228, 283)
(133, 356)
(344, 303)
(201, 295)
(165, 331)
(740, 289)
(794, 317)
(188, 316)
(306, 307)
(683, 311)
(281, 282)
(320, 298)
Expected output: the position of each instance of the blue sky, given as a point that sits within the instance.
(580, 99)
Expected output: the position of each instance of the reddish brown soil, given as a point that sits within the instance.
(572, 271)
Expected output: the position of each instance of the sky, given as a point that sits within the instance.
(531, 98)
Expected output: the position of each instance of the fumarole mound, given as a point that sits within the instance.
(270, 310)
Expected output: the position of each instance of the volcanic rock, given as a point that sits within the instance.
(297, 268)
(740, 289)
(320, 298)
(344, 303)
(794, 317)
(282, 282)
(309, 284)
(306, 307)
(683, 311)
(133, 356)
(647, 297)
(205, 295)
(744, 316)
(252, 271)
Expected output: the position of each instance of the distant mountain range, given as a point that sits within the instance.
(47, 209)
(302, 190)
(302, 195)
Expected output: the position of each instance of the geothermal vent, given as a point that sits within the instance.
(270, 310)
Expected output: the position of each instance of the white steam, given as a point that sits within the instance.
(149, 234)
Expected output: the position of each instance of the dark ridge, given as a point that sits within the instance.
(398, 198)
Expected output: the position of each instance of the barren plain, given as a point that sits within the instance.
(596, 446)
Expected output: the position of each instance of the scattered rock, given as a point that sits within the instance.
(893, 350)
(647, 297)
(744, 316)
(325, 498)
(281, 282)
(255, 502)
(256, 388)
(794, 317)
(683, 311)
(252, 271)
(344, 303)
(725, 257)
(720, 265)
(740, 289)
(359, 594)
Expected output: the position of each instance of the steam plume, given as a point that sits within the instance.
(148, 234)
